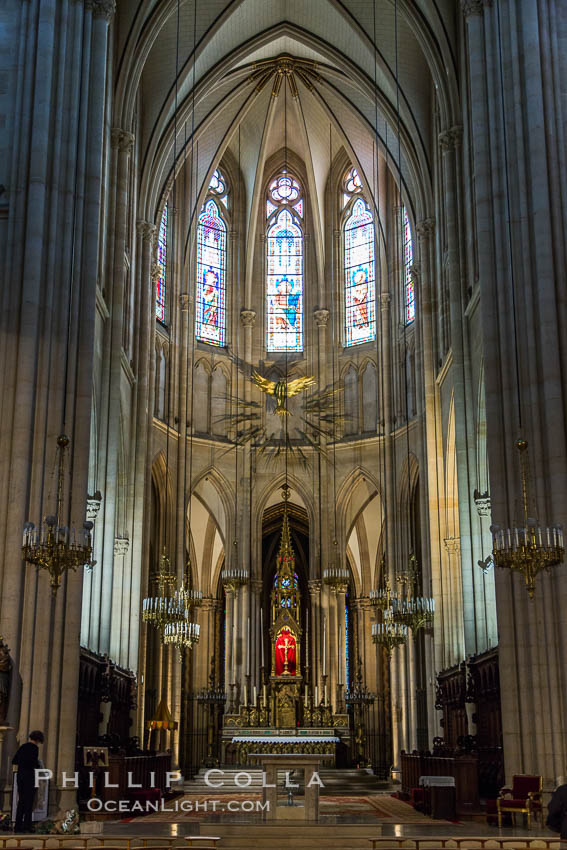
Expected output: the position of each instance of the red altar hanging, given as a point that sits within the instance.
(286, 647)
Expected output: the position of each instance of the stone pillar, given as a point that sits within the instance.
(452, 604)
(228, 649)
(316, 630)
(50, 257)
(102, 612)
(432, 454)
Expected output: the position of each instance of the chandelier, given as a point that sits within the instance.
(181, 634)
(529, 548)
(53, 546)
(167, 607)
(336, 577)
(186, 596)
(389, 633)
(412, 609)
(234, 577)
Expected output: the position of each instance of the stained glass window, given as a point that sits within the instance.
(162, 266)
(289, 584)
(218, 183)
(408, 280)
(360, 286)
(353, 183)
(284, 296)
(211, 274)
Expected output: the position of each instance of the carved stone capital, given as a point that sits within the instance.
(363, 603)
(384, 299)
(248, 318)
(184, 303)
(314, 586)
(101, 8)
(321, 318)
(452, 545)
(146, 229)
(208, 603)
(425, 227)
(121, 140)
(93, 506)
(482, 502)
(121, 545)
(451, 138)
(155, 272)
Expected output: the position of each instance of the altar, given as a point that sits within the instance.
(250, 744)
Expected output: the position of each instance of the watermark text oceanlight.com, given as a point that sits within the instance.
(126, 807)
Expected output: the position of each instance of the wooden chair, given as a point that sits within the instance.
(524, 797)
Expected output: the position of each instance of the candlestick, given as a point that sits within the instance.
(245, 697)
(255, 695)
(248, 647)
(264, 695)
(325, 695)
(262, 634)
(316, 694)
(324, 646)
(340, 654)
(305, 698)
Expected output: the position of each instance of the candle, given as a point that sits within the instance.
(324, 646)
(262, 633)
(255, 695)
(340, 654)
(248, 647)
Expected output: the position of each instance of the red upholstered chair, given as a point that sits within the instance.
(524, 796)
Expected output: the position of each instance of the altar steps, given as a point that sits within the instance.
(292, 836)
(337, 783)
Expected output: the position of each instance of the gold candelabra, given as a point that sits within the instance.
(411, 608)
(167, 607)
(389, 633)
(184, 635)
(529, 548)
(55, 547)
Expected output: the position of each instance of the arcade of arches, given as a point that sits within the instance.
(200, 202)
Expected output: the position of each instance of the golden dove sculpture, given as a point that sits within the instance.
(282, 390)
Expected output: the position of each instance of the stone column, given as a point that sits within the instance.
(256, 635)
(228, 649)
(103, 591)
(322, 471)
(315, 629)
(452, 604)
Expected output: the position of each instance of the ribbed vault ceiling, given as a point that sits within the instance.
(353, 44)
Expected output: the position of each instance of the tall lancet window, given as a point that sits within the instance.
(211, 269)
(162, 266)
(360, 269)
(284, 270)
(409, 286)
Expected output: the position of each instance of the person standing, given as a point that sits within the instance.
(27, 761)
